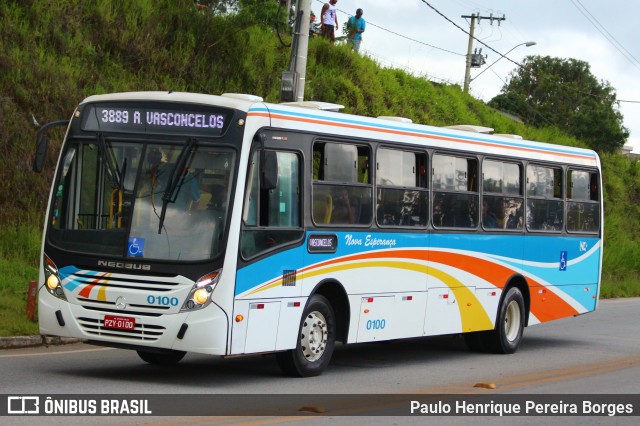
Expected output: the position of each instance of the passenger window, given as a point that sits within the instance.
(545, 208)
(454, 173)
(342, 192)
(500, 177)
(502, 199)
(544, 182)
(578, 185)
(583, 207)
(402, 198)
(272, 216)
(455, 186)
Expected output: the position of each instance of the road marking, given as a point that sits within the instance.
(343, 405)
(56, 353)
(569, 373)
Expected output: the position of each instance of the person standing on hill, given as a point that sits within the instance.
(312, 25)
(356, 25)
(329, 20)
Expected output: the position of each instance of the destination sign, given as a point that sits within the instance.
(193, 121)
(322, 243)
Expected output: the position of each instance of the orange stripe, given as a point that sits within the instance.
(86, 292)
(489, 271)
(546, 307)
(415, 134)
(549, 305)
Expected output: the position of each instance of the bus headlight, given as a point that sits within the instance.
(52, 279)
(200, 295)
(53, 282)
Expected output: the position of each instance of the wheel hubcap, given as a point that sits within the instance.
(512, 321)
(313, 336)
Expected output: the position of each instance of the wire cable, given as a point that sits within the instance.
(400, 35)
(522, 67)
(602, 30)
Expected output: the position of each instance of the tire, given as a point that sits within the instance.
(507, 335)
(164, 358)
(316, 340)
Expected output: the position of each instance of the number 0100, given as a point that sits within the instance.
(376, 324)
(162, 300)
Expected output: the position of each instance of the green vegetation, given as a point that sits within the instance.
(19, 247)
(54, 53)
(563, 92)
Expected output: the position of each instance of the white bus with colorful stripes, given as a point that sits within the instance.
(225, 225)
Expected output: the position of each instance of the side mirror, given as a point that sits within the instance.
(42, 146)
(269, 168)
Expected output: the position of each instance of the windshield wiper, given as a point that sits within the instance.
(107, 158)
(176, 177)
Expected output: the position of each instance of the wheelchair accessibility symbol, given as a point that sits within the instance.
(136, 247)
(563, 260)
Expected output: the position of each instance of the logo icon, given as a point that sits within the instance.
(121, 303)
(563, 260)
(23, 405)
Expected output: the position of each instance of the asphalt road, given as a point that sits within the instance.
(597, 353)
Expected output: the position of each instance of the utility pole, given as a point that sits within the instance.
(293, 80)
(474, 17)
(287, 5)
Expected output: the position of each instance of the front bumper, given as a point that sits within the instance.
(206, 330)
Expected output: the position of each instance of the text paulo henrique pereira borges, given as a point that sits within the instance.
(531, 408)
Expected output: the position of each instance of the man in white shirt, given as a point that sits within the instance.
(329, 20)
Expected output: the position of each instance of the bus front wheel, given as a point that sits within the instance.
(164, 358)
(315, 343)
(506, 336)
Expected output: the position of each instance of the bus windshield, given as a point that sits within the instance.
(147, 199)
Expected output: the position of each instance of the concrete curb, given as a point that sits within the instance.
(32, 341)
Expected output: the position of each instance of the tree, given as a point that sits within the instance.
(564, 93)
(253, 11)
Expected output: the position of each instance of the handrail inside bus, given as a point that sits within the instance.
(115, 193)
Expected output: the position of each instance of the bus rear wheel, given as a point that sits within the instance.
(164, 358)
(507, 335)
(316, 340)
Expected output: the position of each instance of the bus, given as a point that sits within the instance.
(229, 226)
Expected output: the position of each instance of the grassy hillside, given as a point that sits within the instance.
(54, 53)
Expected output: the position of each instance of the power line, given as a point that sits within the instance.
(602, 30)
(521, 66)
(461, 54)
(466, 32)
(401, 35)
(416, 72)
(414, 40)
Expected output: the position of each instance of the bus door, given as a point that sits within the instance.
(267, 286)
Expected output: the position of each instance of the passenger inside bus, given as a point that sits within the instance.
(188, 192)
(344, 208)
(488, 217)
(322, 207)
(512, 213)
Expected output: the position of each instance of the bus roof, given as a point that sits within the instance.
(237, 101)
(322, 121)
(283, 116)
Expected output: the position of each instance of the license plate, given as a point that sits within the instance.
(119, 323)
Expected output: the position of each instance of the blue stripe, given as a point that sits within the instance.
(584, 153)
(507, 249)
